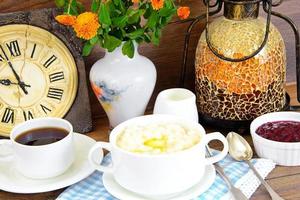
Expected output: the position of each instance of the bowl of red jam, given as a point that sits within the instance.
(276, 136)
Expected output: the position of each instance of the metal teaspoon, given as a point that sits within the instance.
(240, 150)
(236, 193)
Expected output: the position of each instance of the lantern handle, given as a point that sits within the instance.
(297, 48)
(210, 46)
(277, 3)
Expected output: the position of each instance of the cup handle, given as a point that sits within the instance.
(216, 136)
(99, 167)
(6, 152)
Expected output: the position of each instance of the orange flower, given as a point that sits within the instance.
(135, 1)
(97, 90)
(67, 20)
(183, 12)
(86, 25)
(157, 4)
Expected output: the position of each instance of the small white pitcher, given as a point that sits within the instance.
(177, 101)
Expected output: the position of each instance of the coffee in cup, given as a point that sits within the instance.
(42, 148)
(41, 136)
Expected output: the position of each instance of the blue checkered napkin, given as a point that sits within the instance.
(92, 187)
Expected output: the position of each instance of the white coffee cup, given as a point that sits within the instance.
(44, 161)
(177, 101)
(160, 174)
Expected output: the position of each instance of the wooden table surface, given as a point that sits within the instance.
(284, 180)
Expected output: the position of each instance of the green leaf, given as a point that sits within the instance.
(139, 40)
(100, 41)
(134, 15)
(135, 34)
(111, 42)
(94, 40)
(154, 39)
(120, 21)
(100, 31)
(164, 12)
(71, 7)
(169, 4)
(116, 2)
(127, 3)
(147, 38)
(157, 32)
(128, 49)
(80, 7)
(148, 11)
(152, 21)
(104, 17)
(120, 5)
(87, 48)
(60, 3)
(168, 19)
(74, 8)
(95, 6)
(131, 12)
(113, 10)
(164, 21)
(155, 36)
(123, 32)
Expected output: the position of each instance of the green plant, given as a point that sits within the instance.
(112, 23)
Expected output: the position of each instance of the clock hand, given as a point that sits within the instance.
(8, 82)
(20, 83)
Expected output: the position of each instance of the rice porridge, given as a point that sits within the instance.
(158, 138)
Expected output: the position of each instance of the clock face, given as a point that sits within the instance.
(38, 75)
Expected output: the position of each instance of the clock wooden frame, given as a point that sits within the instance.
(80, 112)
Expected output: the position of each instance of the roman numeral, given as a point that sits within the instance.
(1, 58)
(6, 58)
(27, 115)
(56, 76)
(8, 116)
(45, 109)
(55, 93)
(50, 61)
(33, 51)
(14, 48)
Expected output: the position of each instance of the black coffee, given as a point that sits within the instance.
(41, 136)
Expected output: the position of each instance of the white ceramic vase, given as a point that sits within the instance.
(122, 85)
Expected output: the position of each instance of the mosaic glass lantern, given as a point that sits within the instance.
(240, 64)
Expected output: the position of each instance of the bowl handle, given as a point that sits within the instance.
(99, 167)
(216, 136)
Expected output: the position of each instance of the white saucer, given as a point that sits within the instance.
(12, 181)
(121, 193)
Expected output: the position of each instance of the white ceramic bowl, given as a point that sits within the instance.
(282, 153)
(156, 176)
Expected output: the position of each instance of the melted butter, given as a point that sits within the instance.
(157, 143)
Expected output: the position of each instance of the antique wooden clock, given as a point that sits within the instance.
(38, 75)
(42, 72)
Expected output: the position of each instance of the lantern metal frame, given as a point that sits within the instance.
(216, 7)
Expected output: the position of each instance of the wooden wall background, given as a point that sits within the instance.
(167, 57)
